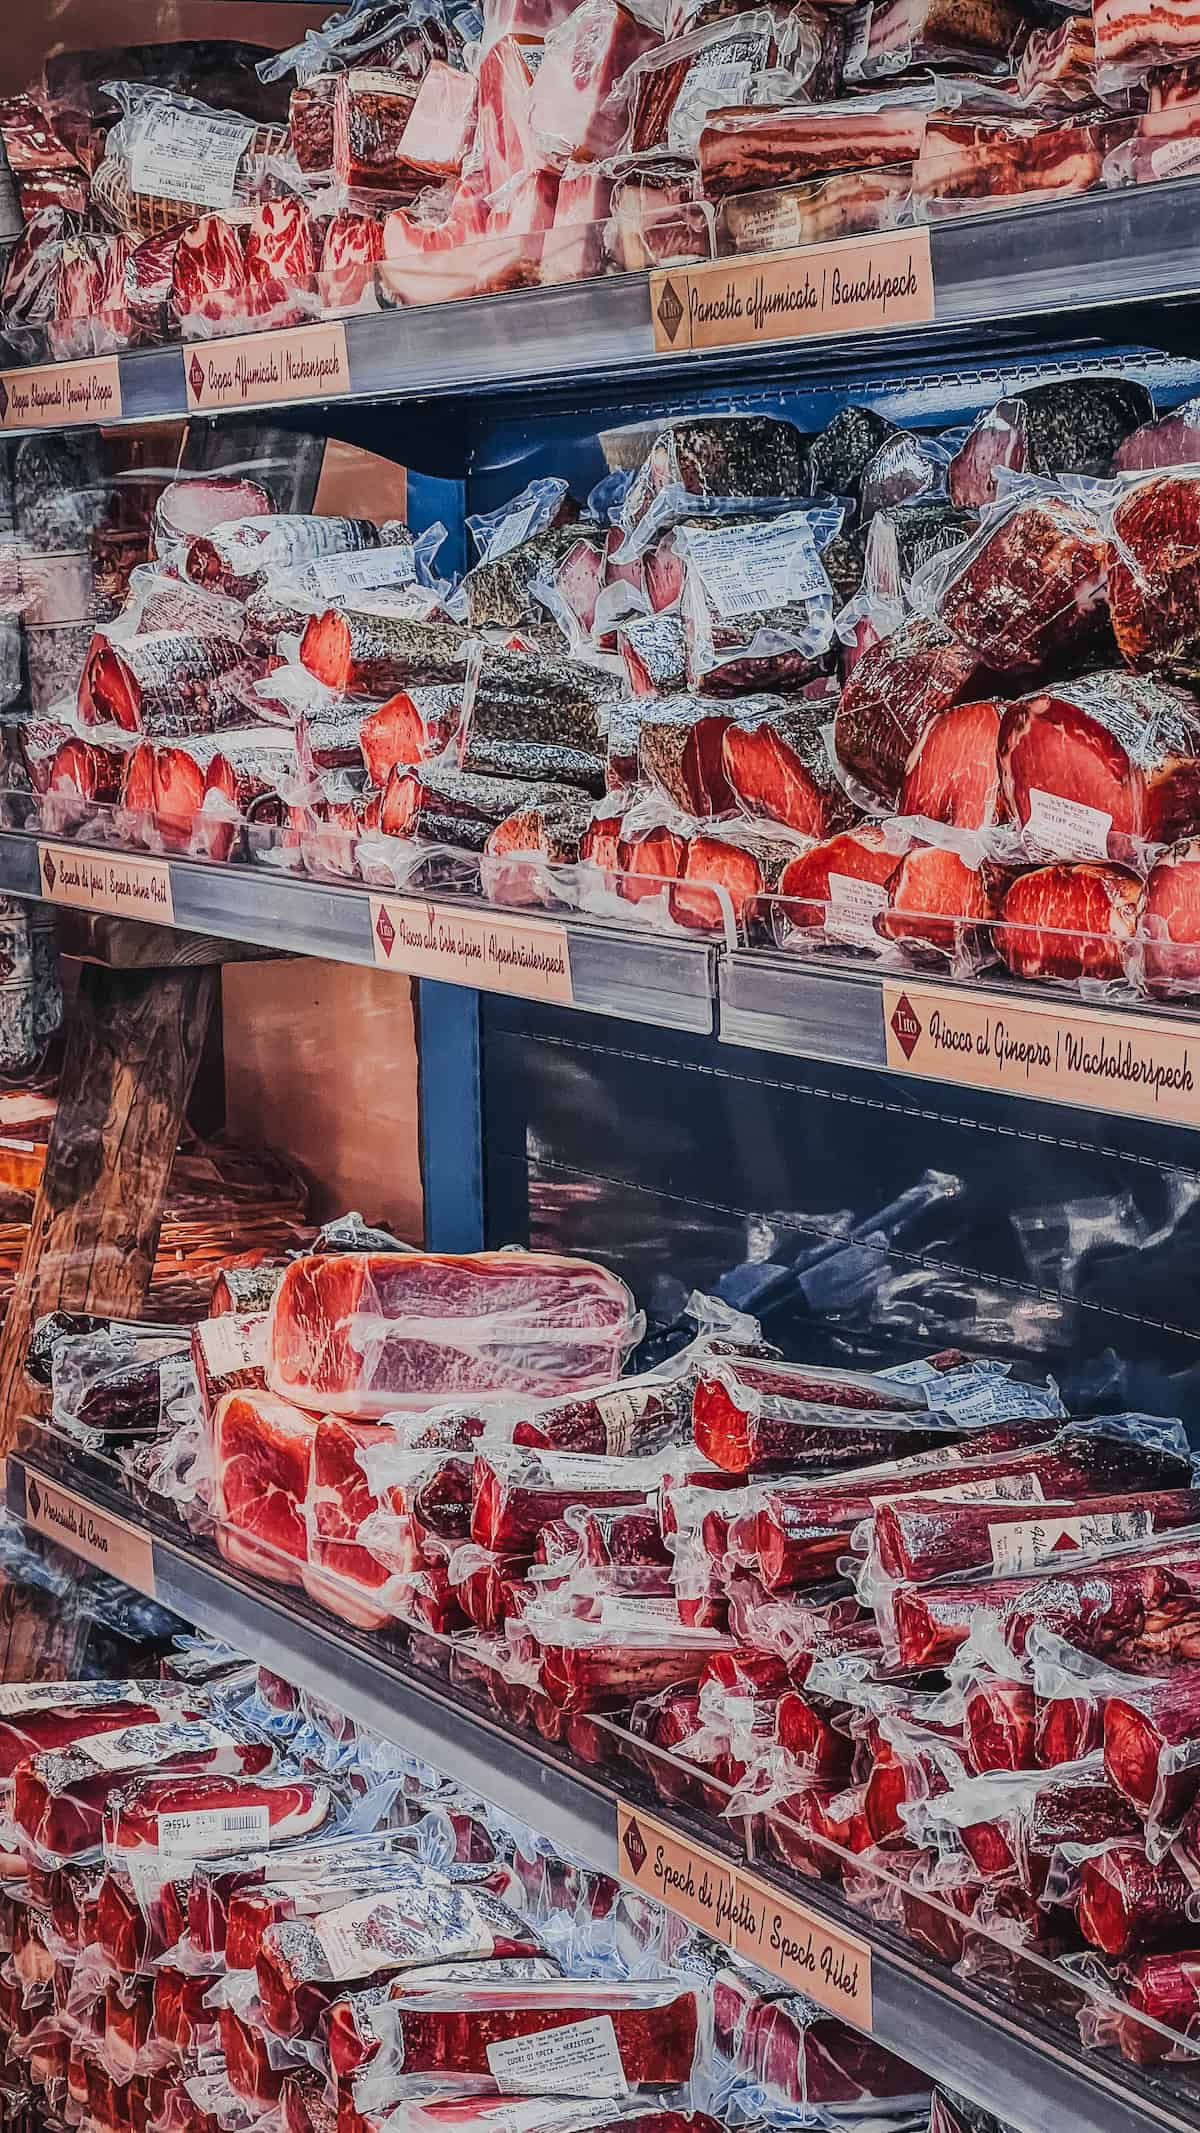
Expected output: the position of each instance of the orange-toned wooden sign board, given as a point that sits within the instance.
(863, 285)
(113, 882)
(1143, 1066)
(833, 1967)
(54, 394)
(100, 1539)
(526, 956)
(305, 363)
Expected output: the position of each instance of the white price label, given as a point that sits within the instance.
(579, 2059)
(750, 569)
(1068, 828)
(343, 574)
(210, 1832)
(1030, 1544)
(188, 155)
(854, 906)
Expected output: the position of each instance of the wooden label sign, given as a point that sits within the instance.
(526, 956)
(58, 393)
(307, 363)
(95, 1535)
(833, 1967)
(863, 285)
(113, 882)
(1145, 1066)
(679, 1874)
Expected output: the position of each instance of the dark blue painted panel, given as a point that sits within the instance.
(451, 1117)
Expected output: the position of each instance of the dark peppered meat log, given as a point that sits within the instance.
(839, 457)
(541, 762)
(1076, 425)
(500, 594)
(719, 456)
(375, 655)
(437, 800)
(532, 698)
(919, 531)
(555, 832)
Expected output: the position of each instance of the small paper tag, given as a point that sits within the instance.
(853, 907)
(1030, 1544)
(366, 572)
(209, 1832)
(624, 1611)
(579, 2059)
(188, 155)
(746, 569)
(1068, 828)
(620, 1413)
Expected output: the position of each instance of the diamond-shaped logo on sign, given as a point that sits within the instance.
(906, 1026)
(3, 400)
(670, 311)
(196, 376)
(635, 1848)
(49, 870)
(34, 1499)
(385, 930)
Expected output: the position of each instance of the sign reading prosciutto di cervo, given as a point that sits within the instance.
(527, 956)
(863, 285)
(1143, 1066)
(305, 363)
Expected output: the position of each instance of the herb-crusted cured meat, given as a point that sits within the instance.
(719, 456)
(376, 655)
(162, 683)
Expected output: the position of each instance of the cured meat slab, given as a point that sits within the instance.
(361, 1335)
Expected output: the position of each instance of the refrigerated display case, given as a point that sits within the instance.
(732, 699)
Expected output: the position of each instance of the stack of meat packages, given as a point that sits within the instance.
(398, 156)
(222, 1907)
(915, 1630)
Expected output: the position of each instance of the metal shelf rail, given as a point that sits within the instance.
(1067, 259)
(958, 2035)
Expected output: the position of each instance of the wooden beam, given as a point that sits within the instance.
(133, 1044)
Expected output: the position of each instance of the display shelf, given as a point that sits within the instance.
(1096, 251)
(1049, 1043)
(613, 970)
(956, 2034)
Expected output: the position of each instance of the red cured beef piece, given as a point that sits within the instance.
(941, 906)
(295, 1807)
(59, 1798)
(534, 1325)
(573, 249)
(1137, 1609)
(778, 767)
(310, 124)
(441, 125)
(998, 439)
(1124, 748)
(1127, 1906)
(644, 861)
(133, 1935)
(811, 2059)
(262, 1451)
(735, 1427)
(573, 110)
(352, 249)
(952, 774)
(655, 2026)
(1071, 920)
(744, 872)
(510, 1508)
(1172, 442)
(339, 1500)
(1032, 597)
(1152, 581)
(818, 885)
(1143, 1737)
(375, 655)
(72, 329)
(252, 2064)
(1169, 921)
(244, 782)
(281, 262)
(160, 683)
(150, 286)
(92, 771)
(897, 687)
(208, 279)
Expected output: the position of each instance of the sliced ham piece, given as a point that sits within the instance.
(350, 254)
(575, 111)
(281, 262)
(573, 249)
(837, 890)
(262, 1451)
(941, 906)
(209, 281)
(1169, 921)
(952, 774)
(504, 139)
(1072, 920)
(778, 767)
(441, 125)
(1091, 764)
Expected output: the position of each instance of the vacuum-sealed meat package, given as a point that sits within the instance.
(362, 1334)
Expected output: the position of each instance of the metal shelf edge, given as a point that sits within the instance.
(922, 2014)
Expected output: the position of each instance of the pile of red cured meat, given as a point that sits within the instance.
(204, 1928)
(201, 188)
(930, 698)
(916, 1631)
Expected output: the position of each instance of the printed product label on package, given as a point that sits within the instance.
(187, 155)
(1032, 1543)
(1067, 827)
(579, 2059)
(209, 1833)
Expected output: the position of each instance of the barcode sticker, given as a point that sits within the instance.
(188, 155)
(206, 1833)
